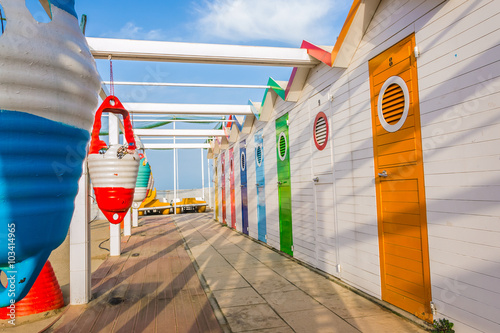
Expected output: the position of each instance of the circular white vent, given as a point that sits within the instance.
(393, 104)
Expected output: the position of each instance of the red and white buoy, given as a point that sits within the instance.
(113, 170)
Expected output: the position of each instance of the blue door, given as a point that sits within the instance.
(261, 196)
(244, 193)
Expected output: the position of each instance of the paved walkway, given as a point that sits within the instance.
(155, 286)
(260, 290)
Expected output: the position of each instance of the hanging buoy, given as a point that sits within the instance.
(113, 170)
(141, 186)
(151, 183)
(49, 88)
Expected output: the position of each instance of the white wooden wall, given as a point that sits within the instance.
(251, 188)
(459, 84)
(271, 174)
(303, 217)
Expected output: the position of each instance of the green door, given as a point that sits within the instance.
(284, 188)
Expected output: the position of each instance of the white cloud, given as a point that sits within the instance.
(131, 31)
(288, 21)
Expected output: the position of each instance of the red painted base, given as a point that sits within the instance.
(45, 295)
(114, 202)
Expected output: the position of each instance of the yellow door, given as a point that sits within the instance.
(399, 174)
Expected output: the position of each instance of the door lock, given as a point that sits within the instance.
(279, 183)
(316, 179)
(383, 174)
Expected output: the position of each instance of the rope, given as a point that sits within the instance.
(111, 80)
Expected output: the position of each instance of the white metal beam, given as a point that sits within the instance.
(178, 132)
(193, 109)
(126, 49)
(176, 145)
(191, 85)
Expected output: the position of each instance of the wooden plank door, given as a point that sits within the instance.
(399, 180)
(284, 188)
(326, 246)
(261, 187)
(231, 188)
(244, 191)
(223, 186)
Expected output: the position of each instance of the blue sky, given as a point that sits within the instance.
(282, 23)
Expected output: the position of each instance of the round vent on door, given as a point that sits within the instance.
(393, 104)
(243, 161)
(258, 155)
(320, 131)
(282, 146)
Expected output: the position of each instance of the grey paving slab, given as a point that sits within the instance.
(238, 297)
(321, 286)
(350, 305)
(296, 273)
(231, 281)
(319, 320)
(258, 272)
(289, 301)
(265, 285)
(384, 323)
(252, 317)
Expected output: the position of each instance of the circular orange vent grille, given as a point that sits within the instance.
(393, 104)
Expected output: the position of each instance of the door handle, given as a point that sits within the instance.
(279, 183)
(316, 179)
(383, 174)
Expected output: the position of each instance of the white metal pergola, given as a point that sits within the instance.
(141, 50)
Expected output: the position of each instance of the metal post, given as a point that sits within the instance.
(135, 217)
(127, 223)
(114, 229)
(209, 186)
(202, 176)
(79, 244)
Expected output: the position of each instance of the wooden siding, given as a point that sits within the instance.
(459, 78)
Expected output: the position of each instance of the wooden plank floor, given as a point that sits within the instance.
(151, 287)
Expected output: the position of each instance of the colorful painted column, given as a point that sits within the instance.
(284, 188)
(231, 188)
(223, 186)
(244, 192)
(261, 186)
(216, 189)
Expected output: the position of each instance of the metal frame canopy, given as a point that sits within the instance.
(127, 49)
(162, 51)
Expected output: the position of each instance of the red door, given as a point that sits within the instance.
(231, 189)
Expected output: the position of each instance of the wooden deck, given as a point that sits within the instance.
(151, 287)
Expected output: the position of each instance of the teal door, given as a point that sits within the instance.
(284, 188)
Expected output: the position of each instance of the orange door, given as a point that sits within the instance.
(399, 174)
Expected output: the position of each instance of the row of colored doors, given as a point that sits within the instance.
(284, 186)
(399, 182)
